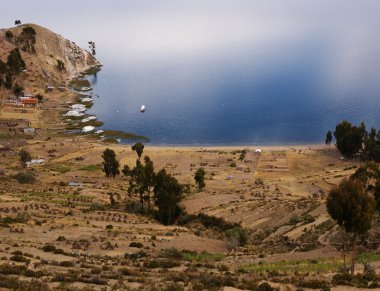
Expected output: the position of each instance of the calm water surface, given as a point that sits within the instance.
(224, 72)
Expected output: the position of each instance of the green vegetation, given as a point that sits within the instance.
(25, 157)
(167, 193)
(142, 180)
(328, 138)
(24, 178)
(14, 65)
(190, 256)
(79, 83)
(307, 266)
(27, 39)
(90, 168)
(352, 208)
(15, 62)
(110, 164)
(199, 178)
(355, 140)
(60, 65)
(62, 169)
(21, 217)
(91, 46)
(166, 189)
(125, 135)
(138, 148)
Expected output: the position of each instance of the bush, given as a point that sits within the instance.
(161, 263)
(19, 258)
(136, 245)
(61, 238)
(135, 256)
(9, 34)
(24, 178)
(49, 248)
(21, 217)
(239, 234)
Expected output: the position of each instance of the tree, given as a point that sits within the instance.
(352, 208)
(9, 34)
(110, 164)
(17, 22)
(349, 138)
(167, 193)
(199, 178)
(142, 180)
(376, 194)
(60, 65)
(371, 149)
(91, 46)
(40, 97)
(328, 138)
(369, 177)
(138, 148)
(15, 62)
(24, 157)
(17, 90)
(8, 80)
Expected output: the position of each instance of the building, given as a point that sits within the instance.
(29, 101)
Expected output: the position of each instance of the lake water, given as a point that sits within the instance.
(224, 72)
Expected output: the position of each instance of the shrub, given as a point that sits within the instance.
(136, 245)
(67, 264)
(265, 287)
(19, 258)
(24, 178)
(49, 248)
(161, 263)
(9, 34)
(135, 256)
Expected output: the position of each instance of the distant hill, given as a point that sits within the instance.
(50, 58)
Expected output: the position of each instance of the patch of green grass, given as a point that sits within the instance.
(91, 71)
(95, 123)
(90, 168)
(202, 257)
(62, 169)
(79, 83)
(299, 266)
(126, 135)
(367, 258)
(308, 266)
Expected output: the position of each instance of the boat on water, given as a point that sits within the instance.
(143, 108)
(118, 140)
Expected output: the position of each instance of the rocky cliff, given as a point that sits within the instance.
(50, 58)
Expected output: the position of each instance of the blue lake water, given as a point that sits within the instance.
(224, 72)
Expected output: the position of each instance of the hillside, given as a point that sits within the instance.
(41, 53)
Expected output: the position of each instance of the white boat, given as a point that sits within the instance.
(143, 108)
(99, 131)
(118, 140)
(88, 128)
(83, 89)
(74, 113)
(87, 99)
(78, 107)
(87, 119)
